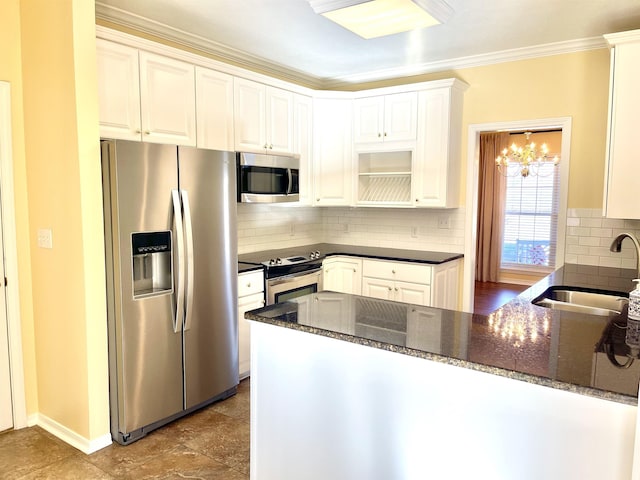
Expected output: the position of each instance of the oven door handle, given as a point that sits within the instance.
(292, 276)
(290, 186)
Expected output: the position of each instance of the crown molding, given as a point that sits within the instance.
(512, 55)
(254, 63)
(223, 52)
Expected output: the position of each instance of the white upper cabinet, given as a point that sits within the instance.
(385, 118)
(118, 91)
(436, 169)
(214, 109)
(332, 147)
(623, 165)
(144, 96)
(302, 143)
(263, 118)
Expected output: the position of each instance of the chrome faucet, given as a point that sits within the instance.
(616, 246)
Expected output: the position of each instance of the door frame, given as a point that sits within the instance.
(16, 363)
(473, 168)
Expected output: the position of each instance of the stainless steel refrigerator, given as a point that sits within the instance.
(170, 229)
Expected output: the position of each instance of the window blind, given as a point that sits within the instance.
(531, 218)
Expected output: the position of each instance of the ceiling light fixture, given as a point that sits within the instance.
(525, 160)
(377, 18)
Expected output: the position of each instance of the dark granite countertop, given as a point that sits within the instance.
(519, 340)
(248, 267)
(379, 253)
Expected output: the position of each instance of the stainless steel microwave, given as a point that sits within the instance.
(268, 178)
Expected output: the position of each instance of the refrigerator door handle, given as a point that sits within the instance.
(188, 229)
(178, 318)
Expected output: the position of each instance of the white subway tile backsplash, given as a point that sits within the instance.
(589, 237)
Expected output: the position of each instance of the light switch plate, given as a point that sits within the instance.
(45, 238)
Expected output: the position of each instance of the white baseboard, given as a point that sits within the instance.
(69, 436)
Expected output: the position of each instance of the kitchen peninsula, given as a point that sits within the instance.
(345, 386)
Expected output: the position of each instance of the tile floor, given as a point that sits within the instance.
(212, 443)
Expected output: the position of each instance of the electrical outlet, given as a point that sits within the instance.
(414, 232)
(45, 238)
(443, 222)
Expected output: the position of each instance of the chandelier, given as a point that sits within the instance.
(525, 161)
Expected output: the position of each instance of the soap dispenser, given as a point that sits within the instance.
(632, 336)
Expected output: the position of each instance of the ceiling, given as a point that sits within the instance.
(286, 38)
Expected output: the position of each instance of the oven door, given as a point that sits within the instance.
(281, 289)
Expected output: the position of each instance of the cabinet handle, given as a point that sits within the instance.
(396, 289)
(417, 200)
(393, 271)
(265, 146)
(147, 132)
(354, 270)
(385, 134)
(271, 147)
(379, 135)
(138, 130)
(390, 288)
(248, 285)
(317, 199)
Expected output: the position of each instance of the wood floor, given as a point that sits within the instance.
(490, 296)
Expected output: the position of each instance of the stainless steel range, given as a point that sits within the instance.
(293, 276)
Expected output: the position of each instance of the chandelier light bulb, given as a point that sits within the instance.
(528, 157)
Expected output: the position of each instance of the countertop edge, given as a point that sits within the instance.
(523, 377)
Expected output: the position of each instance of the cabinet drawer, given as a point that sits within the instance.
(401, 271)
(250, 283)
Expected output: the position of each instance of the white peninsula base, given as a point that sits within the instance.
(323, 409)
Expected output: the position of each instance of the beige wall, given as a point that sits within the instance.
(51, 66)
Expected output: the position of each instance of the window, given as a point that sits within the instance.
(531, 219)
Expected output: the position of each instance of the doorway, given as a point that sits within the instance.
(13, 412)
(473, 160)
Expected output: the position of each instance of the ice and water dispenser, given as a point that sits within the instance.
(152, 272)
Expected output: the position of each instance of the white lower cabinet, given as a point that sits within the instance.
(342, 274)
(418, 284)
(250, 297)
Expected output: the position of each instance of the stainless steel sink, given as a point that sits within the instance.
(583, 300)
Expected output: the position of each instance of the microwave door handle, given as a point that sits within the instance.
(178, 318)
(290, 186)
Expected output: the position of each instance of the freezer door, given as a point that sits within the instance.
(145, 352)
(208, 189)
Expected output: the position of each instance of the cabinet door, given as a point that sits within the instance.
(445, 285)
(414, 293)
(245, 304)
(302, 143)
(623, 169)
(368, 119)
(378, 288)
(118, 91)
(168, 100)
(437, 165)
(214, 109)
(343, 275)
(279, 123)
(400, 117)
(332, 160)
(250, 116)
